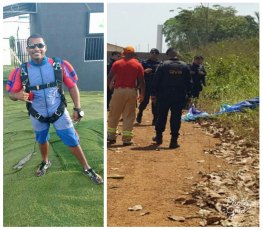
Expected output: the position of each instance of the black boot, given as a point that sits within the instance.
(173, 143)
(158, 139)
(139, 118)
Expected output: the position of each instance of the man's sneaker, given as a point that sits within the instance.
(42, 168)
(93, 176)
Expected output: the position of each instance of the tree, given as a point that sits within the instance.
(12, 42)
(194, 28)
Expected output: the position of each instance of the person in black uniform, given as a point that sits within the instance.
(198, 74)
(171, 86)
(114, 57)
(149, 66)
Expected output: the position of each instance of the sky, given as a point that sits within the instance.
(17, 27)
(136, 23)
(131, 23)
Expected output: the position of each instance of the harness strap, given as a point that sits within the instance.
(55, 116)
(59, 78)
(43, 86)
(24, 76)
(58, 73)
(58, 83)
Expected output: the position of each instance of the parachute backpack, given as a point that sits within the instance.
(57, 83)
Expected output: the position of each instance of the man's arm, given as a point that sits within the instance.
(14, 87)
(108, 68)
(21, 95)
(141, 86)
(156, 82)
(74, 94)
(202, 69)
(188, 81)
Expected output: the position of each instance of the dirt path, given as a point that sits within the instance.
(155, 179)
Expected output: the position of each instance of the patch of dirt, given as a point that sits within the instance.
(169, 186)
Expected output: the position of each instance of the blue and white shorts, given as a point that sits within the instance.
(64, 129)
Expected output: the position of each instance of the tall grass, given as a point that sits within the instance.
(232, 76)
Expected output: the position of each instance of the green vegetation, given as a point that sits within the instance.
(191, 29)
(64, 197)
(233, 76)
(230, 45)
(7, 69)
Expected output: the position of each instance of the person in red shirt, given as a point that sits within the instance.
(128, 76)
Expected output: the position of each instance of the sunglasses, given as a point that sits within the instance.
(38, 45)
(154, 53)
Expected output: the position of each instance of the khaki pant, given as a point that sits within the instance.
(123, 102)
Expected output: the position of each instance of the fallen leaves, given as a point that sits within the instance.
(200, 161)
(144, 213)
(229, 198)
(176, 218)
(136, 207)
(213, 192)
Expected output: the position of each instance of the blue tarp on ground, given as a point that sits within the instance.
(194, 114)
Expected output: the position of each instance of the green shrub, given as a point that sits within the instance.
(232, 76)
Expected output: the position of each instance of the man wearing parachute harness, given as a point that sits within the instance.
(39, 83)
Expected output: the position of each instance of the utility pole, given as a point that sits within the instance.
(159, 44)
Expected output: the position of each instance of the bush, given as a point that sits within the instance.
(232, 76)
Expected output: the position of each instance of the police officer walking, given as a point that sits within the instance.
(149, 66)
(171, 86)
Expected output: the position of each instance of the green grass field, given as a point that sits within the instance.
(63, 197)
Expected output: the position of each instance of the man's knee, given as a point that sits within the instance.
(42, 136)
(69, 137)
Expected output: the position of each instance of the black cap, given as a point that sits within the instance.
(199, 57)
(171, 50)
(154, 50)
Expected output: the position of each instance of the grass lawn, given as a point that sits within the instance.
(63, 197)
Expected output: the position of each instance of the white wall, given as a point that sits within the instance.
(6, 52)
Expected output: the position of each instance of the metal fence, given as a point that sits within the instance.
(18, 51)
(94, 48)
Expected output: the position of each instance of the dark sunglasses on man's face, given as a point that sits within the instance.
(38, 45)
(154, 53)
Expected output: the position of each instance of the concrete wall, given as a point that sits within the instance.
(64, 27)
(111, 48)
